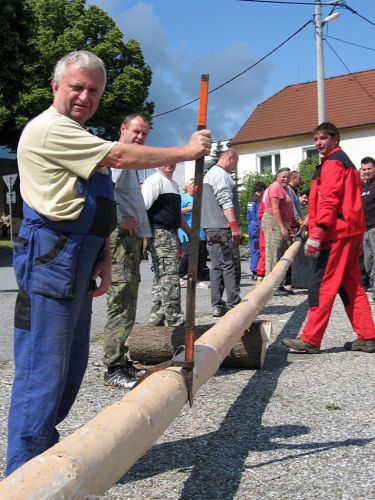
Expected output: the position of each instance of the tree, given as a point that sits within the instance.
(15, 52)
(59, 27)
(217, 152)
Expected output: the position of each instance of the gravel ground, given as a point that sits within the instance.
(302, 427)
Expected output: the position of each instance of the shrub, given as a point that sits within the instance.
(248, 183)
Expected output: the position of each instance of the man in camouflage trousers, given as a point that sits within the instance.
(163, 202)
(126, 249)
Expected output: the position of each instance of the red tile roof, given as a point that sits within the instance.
(293, 110)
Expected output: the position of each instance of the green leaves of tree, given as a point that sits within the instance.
(36, 33)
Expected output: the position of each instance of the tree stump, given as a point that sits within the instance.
(156, 344)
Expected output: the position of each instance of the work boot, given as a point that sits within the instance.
(360, 345)
(156, 319)
(176, 321)
(299, 345)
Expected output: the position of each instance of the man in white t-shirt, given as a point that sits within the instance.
(163, 201)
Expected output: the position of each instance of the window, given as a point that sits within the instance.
(269, 164)
(309, 153)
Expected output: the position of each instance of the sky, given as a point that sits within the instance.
(182, 39)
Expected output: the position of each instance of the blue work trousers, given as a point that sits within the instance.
(253, 231)
(51, 337)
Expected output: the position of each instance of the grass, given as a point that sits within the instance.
(6, 244)
(333, 406)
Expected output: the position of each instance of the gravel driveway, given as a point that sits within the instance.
(302, 427)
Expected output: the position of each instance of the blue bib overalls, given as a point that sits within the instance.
(53, 263)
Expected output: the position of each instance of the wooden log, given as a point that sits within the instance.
(156, 344)
(89, 461)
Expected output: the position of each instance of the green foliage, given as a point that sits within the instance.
(54, 28)
(307, 170)
(248, 183)
(16, 31)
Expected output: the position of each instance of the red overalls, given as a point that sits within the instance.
(335, 204)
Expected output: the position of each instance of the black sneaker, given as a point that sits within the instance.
(133, 371)
(300, 345)
(360, 345)
(120, 379)
(217, 312)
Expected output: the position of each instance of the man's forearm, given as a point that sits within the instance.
(138, 157)
(230, 214)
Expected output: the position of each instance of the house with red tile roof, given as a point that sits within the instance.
(278, 132)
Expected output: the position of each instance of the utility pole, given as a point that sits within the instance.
(319, 62)
(319, 23)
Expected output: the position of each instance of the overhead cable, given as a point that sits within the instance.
(346, 6)
(239, 74)
(350, 43)
(289, 2)
(348, 70)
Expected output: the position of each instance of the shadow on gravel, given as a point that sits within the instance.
(277, 310)
(216, 460)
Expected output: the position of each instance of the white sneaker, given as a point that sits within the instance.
(182, 283)
(202, 284)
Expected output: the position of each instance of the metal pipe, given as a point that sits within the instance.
(93, 458)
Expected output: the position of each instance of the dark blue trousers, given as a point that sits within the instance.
(51, 337)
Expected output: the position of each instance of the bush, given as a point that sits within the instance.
(247, 191)
(307, 169)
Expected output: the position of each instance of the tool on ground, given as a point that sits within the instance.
(187, 364)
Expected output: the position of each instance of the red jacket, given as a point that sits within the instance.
(335, 200)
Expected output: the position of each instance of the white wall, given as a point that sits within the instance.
(357, 143)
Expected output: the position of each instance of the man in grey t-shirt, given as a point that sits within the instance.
(220, 221)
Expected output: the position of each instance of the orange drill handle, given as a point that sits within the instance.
(203, 100)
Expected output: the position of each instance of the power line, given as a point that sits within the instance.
(340, 3)
(287, 2)
(239, 74)
(346, 6)
(348, 70)
(349, 43)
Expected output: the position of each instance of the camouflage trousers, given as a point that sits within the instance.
(122, 295)
(166, 293)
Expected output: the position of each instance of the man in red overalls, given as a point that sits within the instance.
(336, 228)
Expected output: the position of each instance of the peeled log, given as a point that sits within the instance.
(94, 457)
(156, 344)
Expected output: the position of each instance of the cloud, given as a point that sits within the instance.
(176, 77)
